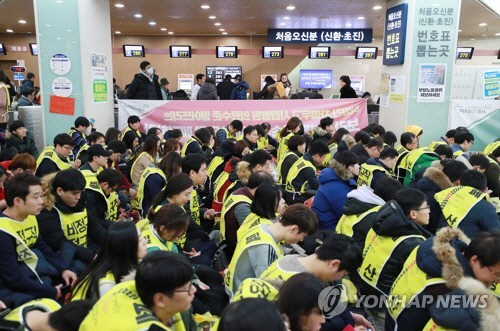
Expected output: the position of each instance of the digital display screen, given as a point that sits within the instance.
(315, 79)
(226, 52)
(133, 50)
(34, 49)
(3, 51)
(185, 85)
(367, 53)
(319, 52)
(180, 51)
(218, 73)
(272, 52)
(464, 53)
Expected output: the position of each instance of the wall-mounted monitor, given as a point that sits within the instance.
(180, 51)
(367, 53)
(34, 49)
(226, 52)
(272, 52)
(464, 53)
(218, 73)
(319, 52)
(133, 51)
(3, 50)
(315, 79)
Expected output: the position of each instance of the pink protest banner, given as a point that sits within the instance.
(188, 115)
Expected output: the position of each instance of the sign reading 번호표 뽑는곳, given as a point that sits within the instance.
(395, 34)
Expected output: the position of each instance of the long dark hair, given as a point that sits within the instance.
(118, 255)
(291, 125)
(171, 164)
(266, 200)
(150, 146)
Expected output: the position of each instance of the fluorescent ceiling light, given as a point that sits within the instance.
(138, 15)
(117, 32)
(205, 6)
(170, 32)
(212, 17)
(119, 5)
(377, 7)
(493, 5)
(290, 7)
(224, 32)
(152, 23)
(22, 21)
(163, 29)
(9, 30)
(483, 24)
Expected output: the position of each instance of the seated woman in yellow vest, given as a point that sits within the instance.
(154, 179)
(440, 281)
(195, 144)
(133, 144)
(292, 127)
(63, 222)
(266, 205)
(259, 247)
(123, 250)
(216, 166)
(266, 141)
(133, 126)
(162, 289)
(46, 314)
(147, 155)
(376, 168)
(55, 158)
(396, 232)
(296, 148)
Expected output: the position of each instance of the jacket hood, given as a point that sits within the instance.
(365, 195)
(392, 222)
(242, 83)
(354, 206)
(336, 172)
(438, 177)
(415, 129)
(318, 131)
(207, 88)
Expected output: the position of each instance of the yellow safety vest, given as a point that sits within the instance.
(229, 135)
(127, 129)
(112, 200)
(328, 156)
(44, 305)
(408, 160)
(25, 234)
(49, 152)
(401, 149)
(229, 203)
(121, 309)
(275, 272)
(189, 141)
(80, 292)
(410, 282)
(255, 288)
(283, 146)
(137, 202)
(347, 223)
(366, 171)
(194, 207)
(155, 242)
(432, 326)
(82, 148)
(219, 182)
(251, 221)
(282, 180)
(435, 144)
(491, 147)
(74, 226)
(295, 169)
(378, 250)
(456, 202)
(256, 236)
(214, 164)
(458, 153)
(263, 143)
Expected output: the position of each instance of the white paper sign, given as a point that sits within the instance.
(62, 87)
(60, 64)
(431, 82)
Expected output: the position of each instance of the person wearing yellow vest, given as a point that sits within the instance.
(167, 225)
(259, 247)
(162, 289)
(236, 208)
(324, 130)
(376, 168)
(102, 204)
(371, 148)
(24, 274)
(467, 206)
(251, 136)
(292, 127)
(133, 127)
(463, 143)
(296, 148)
(78, 133)
(230, 131)
(147, 155)
(46, 314)
(408, 142)
(266, 141)
(361, 206)
(93, 138)
(447, 140)
(124, 248)
(201, 143)
(63, 222)
(53, 159)
(251, 314)
(441, 278)
(301, 181)
(217, 165)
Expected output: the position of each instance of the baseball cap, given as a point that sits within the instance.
(238, 77)
(97, 150)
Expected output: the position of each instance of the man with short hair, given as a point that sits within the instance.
(143, 85)
(408, 141)
(251, 136)
(225, 88)
(370, 150)
(21, 141)
(200, 79)
(29, 82)
(133, 126)
(479, 162)
(162, 289)
(463, 143)
(23, 273)
(229, 131)
(27, 97)
(259, 247)
(240, 88)
(447, 140)
(78, 133)
(376, 168)
(53, 159)
(301, 181)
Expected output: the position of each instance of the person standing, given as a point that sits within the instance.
(143, 87)
(165, 93)
(208, 91)
(346, 91)
(225, 88)
(240, 88)
(200, 79)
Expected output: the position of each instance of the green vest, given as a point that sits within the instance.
(283, 146)
(282, 180)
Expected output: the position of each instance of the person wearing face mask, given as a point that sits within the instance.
(143, 86)
(20, 140)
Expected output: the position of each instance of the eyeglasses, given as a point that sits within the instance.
(68, 148)
(189, 291)
(494, 274)
(426, 207)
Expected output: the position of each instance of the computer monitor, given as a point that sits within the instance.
(366, 53)
(315, 79)
(272, 52)
(226, 52)
(180, 51)
(34, 49)
(133, 51)
(319, 52)
(464, 53)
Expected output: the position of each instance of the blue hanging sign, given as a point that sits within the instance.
(325, 36)
(395, 34)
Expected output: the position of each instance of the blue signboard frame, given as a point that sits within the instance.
(324, 36)
(395, 34)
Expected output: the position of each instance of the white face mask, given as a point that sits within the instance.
(150, 71)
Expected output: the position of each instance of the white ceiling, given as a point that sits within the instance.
(185, 17)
